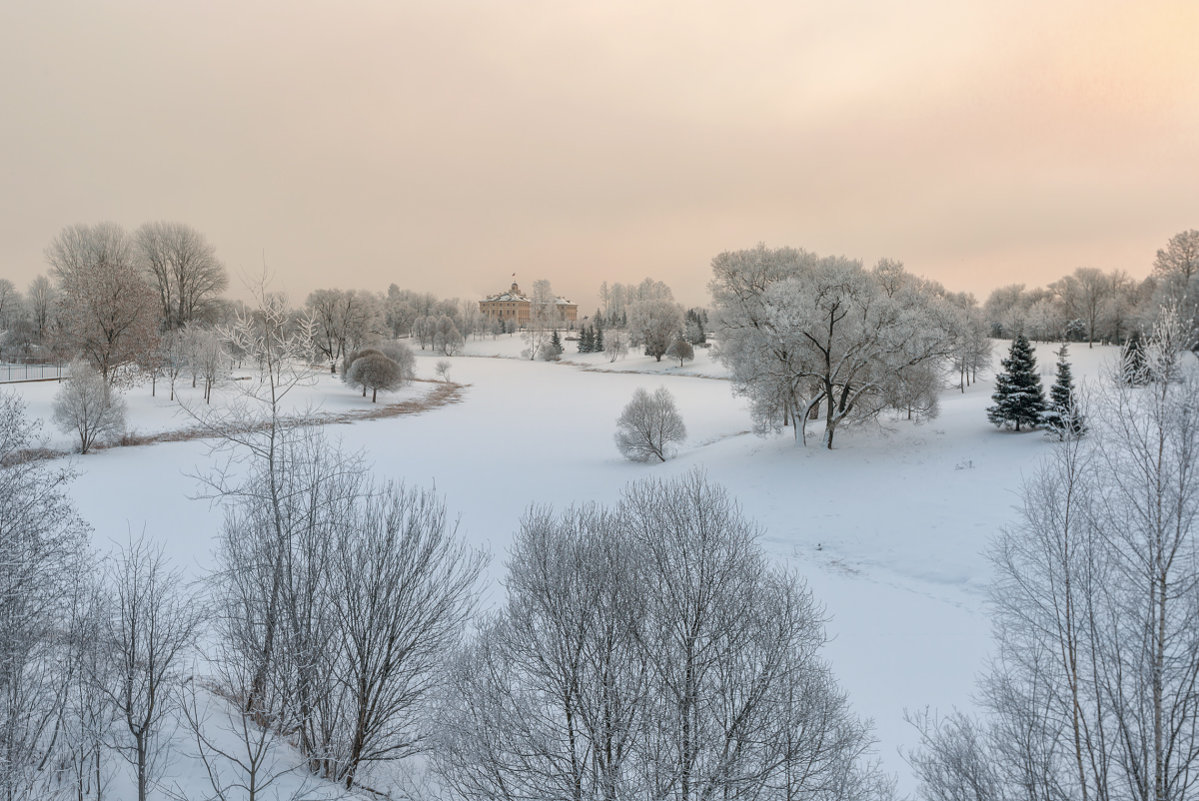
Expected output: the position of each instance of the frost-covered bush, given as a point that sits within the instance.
(649, 426)
(87, 406)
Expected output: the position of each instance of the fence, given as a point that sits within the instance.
(12, 373)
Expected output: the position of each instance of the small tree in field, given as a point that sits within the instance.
(1063, 416)
(682, 350)
(374, 371)
(616, 346)
(87, 405)
(649, 426)
(1018, 395)
(443, 369)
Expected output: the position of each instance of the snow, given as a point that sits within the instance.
(889, 529)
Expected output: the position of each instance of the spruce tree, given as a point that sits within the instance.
(597, 344)
(1018, 395)
(1063, 416)
(585, 341)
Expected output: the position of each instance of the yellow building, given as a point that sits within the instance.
(515, 305)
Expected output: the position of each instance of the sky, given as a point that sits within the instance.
(444, 145)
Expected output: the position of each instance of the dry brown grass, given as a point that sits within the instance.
(443, 393)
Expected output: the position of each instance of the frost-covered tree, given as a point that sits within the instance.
(442, 368)
(88, 406)
(206, 354)
(183, 268)
(649, 426)
(802, 333)
(616, 345)
(1019, 398)
(109, 313)
(1063, 415)
(372, 370)
(648, 651)
(446, 337)
(654, 323)
(681, 349)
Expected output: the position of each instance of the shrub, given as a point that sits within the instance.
(649, 426)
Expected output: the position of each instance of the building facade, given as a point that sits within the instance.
(515, 305)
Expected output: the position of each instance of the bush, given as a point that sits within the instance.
(87, 406)
(649, 426)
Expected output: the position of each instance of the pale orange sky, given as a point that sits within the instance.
(444, 145)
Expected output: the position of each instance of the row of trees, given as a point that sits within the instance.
(1091, 306)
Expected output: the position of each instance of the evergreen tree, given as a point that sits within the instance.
(1134, 371)
(1018, 395)
(1063, 416)
(597, 346)
(555, 345)
(585, 340)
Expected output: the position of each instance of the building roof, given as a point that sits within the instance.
(514, 295)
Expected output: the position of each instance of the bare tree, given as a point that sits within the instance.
(40, 298)
(183, 268)
(395, 621)
(42, 561)
(1179, 260)
(443, 369)
(149, 628)
(649, 426)
(88, 406)
(109, 312)
(343, 320)
(568, 635)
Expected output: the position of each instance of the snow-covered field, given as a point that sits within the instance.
(889, 529)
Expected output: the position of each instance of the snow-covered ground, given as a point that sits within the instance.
(889, 529)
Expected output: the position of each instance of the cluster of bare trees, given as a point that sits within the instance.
(1091, 306)
(1093, 692)
(335, 597)
(91, 650)
(650, 651)
(805, 336)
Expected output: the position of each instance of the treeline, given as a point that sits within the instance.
(1091, 306)
(148, 303)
